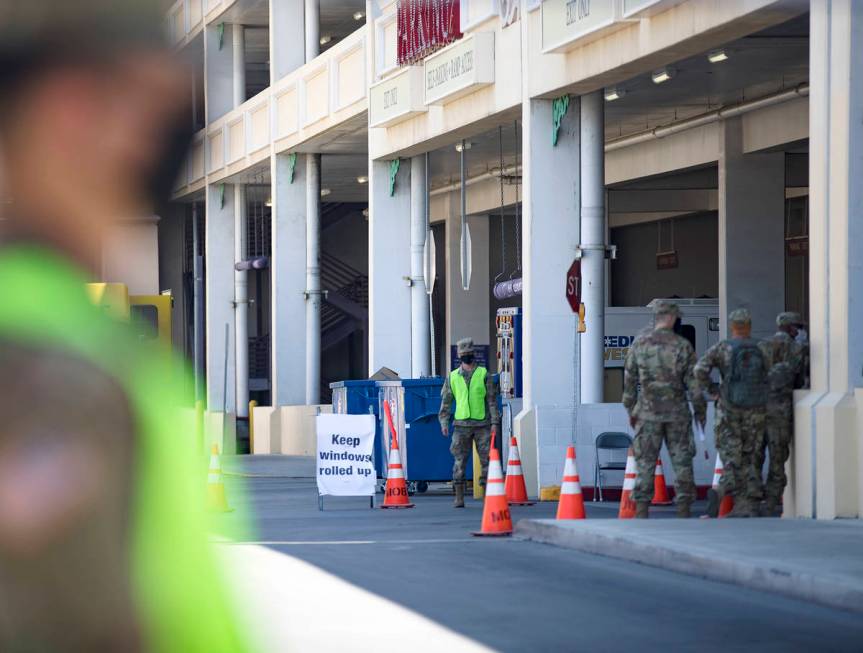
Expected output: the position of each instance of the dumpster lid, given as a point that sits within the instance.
(384, 374)
(352, 383)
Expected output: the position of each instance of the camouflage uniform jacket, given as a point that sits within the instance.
(782, 348)
(657, 374)
(719, 357)
(492, 416)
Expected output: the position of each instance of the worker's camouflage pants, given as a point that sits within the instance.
(461, 449)
(737, 430)
(775, 438)
(649, 436)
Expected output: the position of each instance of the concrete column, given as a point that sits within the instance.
(313, 279)
(827, 456)
(593, 230)
(313, 28)
(751, 231)
(468, 311)
(238, 51)
(219, 70)
(288, 280)
(219, 236)
(420, 343)
(550, 236)
(389, 269)
(287, 29)
(241, 302)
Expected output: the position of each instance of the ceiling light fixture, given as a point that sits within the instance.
(326, 38)
(325, 192)
(467, 146)
(268, 201)
(362, 179)
(716, 56)
(359, 15)
(366, 212)
(663, 75)
(614, 93)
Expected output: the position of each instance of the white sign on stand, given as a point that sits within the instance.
(345, 463)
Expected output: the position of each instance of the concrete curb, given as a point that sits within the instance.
(782, 579)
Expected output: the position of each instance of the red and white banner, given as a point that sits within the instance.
(425, 26)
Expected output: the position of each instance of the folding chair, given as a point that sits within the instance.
(608, 441)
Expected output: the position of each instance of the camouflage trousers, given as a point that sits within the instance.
(736, 433)
(461, 449)
(775, 438)
(649, 436)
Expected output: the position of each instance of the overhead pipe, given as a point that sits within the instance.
(490, 174)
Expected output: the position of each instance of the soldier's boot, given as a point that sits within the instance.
(641, 509)
(713, 501)
(772, 507)
(742, 509)
(458, 502)
(683, 510)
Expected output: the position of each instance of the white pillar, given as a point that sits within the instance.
(219, 71)
(241, 302)
(287, 30)
(219, 230)
(827, 456)
(389, 269)
(593, 245)
(420, 343)
(313, 279)
(238, 45)
(751, 231)
(288, 280)
(468, 311)
(313, 29)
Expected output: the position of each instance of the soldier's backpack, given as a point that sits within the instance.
(747, 383)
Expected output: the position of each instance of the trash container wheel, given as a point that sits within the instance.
(422, 486)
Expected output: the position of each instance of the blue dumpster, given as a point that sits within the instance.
(361, 398)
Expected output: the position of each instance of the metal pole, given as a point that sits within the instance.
(432, 353)
(239, 52)
(198, 306)
(593, 245)
(313, 29)
(420, 345)
(313, 279)
(241, 303)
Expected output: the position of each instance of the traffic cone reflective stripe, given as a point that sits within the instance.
(216, 499)
(396, 492)
(660, 489)
(516, 491)
(727, 503)
(571, 503)
(627, 505)
(496, 519)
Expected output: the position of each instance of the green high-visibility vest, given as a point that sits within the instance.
(469, 402)
(179, 597)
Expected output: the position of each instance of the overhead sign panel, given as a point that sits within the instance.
(460, 68)
(397, 98)
(570, 23)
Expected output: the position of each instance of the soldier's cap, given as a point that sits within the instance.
(464, 346)
(789, 318)
(665, 307)
(740, 316)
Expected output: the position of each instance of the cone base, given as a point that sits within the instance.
(481, 534)
(216, 499)
(406, 505)
(522, 503)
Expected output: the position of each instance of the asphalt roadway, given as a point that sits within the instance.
(520, 596)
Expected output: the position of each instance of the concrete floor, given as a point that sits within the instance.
(524, 596)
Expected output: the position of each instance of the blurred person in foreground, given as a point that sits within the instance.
(102, 532)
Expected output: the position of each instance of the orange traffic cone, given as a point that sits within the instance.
(396, 492)
(496, 519)
(571, 504)
(660, 489)
(627, 505)
(216, 499)
(516, 491)
(727, 503)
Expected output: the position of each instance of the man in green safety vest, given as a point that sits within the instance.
(476, 413)
(103, 536)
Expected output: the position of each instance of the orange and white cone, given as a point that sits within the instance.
(516, 490)
(216, 499)
(727, 503)
(571, 503)
(660, 489)
(496, 519)
(396, 492)
(627, 505)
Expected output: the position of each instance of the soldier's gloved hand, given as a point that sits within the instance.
(444, 430)
(632, 420)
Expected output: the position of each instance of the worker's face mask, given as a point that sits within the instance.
(467, 359)
(802, 337)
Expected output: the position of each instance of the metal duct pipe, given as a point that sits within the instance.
(420, 345)
(313, 279)
(241, 304)
(729, 111)
(508, 288)
(593, 245)
(507, 171)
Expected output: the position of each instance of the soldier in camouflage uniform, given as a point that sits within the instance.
(657, 374)
(741, 402)
(787, 373)
(476, 414)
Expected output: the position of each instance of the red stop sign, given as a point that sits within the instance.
(573, 285)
